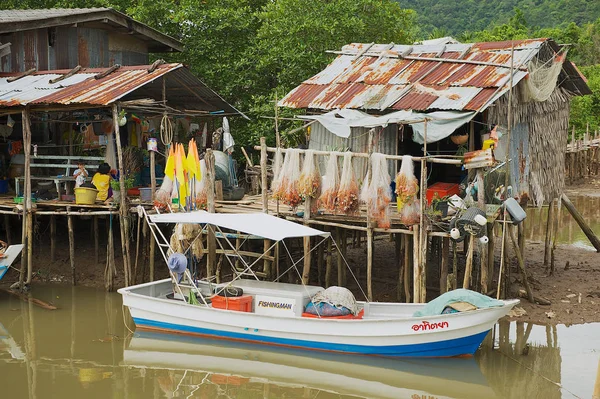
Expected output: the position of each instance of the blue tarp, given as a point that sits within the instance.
(437, 306)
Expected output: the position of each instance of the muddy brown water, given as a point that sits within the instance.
(85, 350)
(569, 231)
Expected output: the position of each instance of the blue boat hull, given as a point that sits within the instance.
(447, 348)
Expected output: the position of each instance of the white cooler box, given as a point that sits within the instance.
(277, 299)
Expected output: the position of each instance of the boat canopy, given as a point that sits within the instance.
(259, 224)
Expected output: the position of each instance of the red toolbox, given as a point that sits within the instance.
(442, 190)
(240, 303)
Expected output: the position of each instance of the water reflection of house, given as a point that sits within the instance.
(521, 369)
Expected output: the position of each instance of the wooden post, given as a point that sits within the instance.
(369, 228)
(579, 219)
(573, 149)
(423, 239)
(469, 264)
(219, 190)
(211, 239)
(444, 264)
(407, 262)
(490, 251)
(151, 257)
(153, 173)
(71, 246)
(25, 261)
(52, 238)
(398, 246)
(263, 174)
(96, 242)
(547, 240)
(306, 217)
(328, 263)
(7, 229)
(585, 150)
(320, 251)
(521, 264)
(122, 203)
(596, 393)
(416, 254)
(554, 233)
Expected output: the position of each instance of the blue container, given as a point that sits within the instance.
(3, 186)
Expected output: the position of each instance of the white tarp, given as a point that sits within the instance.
(440, 124)
(258, 224)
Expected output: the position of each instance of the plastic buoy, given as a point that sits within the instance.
(480, 220)
(484, 239)
(455, 233)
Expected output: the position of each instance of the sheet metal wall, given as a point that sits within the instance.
(88, 47)
(385, 142)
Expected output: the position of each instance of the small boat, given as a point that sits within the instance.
(8, 256)
(355, 376)
(272, 313)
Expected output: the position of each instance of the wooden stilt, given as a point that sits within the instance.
(25, 261)
(328, 263)
(211, 239)
(96, 243)
(491, 233)
(151, 257)
(344, 249)
(521, 264)
(153, 173)
(71, 247)
(548, 235)
(306, 241)
(7, 229)
(137, 249)
(29, 245)
(416, 262)
(110, 269)
(407, 265)
(340, 262)
(469, 264)
(555, 227)
(145, 248)
(445, 259)
(122, 204)
(370, 263)
(398, 242)
(320, 252)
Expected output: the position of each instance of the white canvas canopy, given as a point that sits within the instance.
(440, 124)
(258, 224)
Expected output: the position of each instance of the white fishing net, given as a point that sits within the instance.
(543, 76)
(338, 297)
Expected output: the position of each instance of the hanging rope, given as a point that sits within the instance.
(166, 130)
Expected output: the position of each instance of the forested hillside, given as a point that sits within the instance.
(453, 17)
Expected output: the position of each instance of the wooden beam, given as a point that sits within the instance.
(107, 72)
(21, 75)
(581, 222)
(66, 75)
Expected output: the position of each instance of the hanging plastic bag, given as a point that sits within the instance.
(290, 176)
(279, 166)
(331, 184)
(377, 193)
(407, 185)
(409, 214)
(309, 184)
(347, 197)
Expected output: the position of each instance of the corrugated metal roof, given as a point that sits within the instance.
(377, 77)
(184, 90)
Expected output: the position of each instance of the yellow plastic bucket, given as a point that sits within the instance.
(85, 196)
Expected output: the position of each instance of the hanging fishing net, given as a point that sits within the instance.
(347, 196)
(310, 178)
(542, 78)
(276, 182)
(201, 188)
(407, 185)
(377, 193)
(290, 175)
(331, 184)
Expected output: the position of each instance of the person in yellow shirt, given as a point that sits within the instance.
(101, 181)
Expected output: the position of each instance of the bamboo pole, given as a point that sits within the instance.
(328, 264)
(490, 250)
(444, 160)
(596, 393)
(25, 261)
(7, 229)
(423, 239)
(211, 239)
(398, 243)
(369, 227)
(407, 260)
(123, 198)
(153, 173)
(71, 248)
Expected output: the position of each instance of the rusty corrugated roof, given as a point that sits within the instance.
(184, 90)
(378, 77)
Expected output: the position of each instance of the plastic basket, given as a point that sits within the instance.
(85, 196)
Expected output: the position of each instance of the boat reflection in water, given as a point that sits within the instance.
(203, 366)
